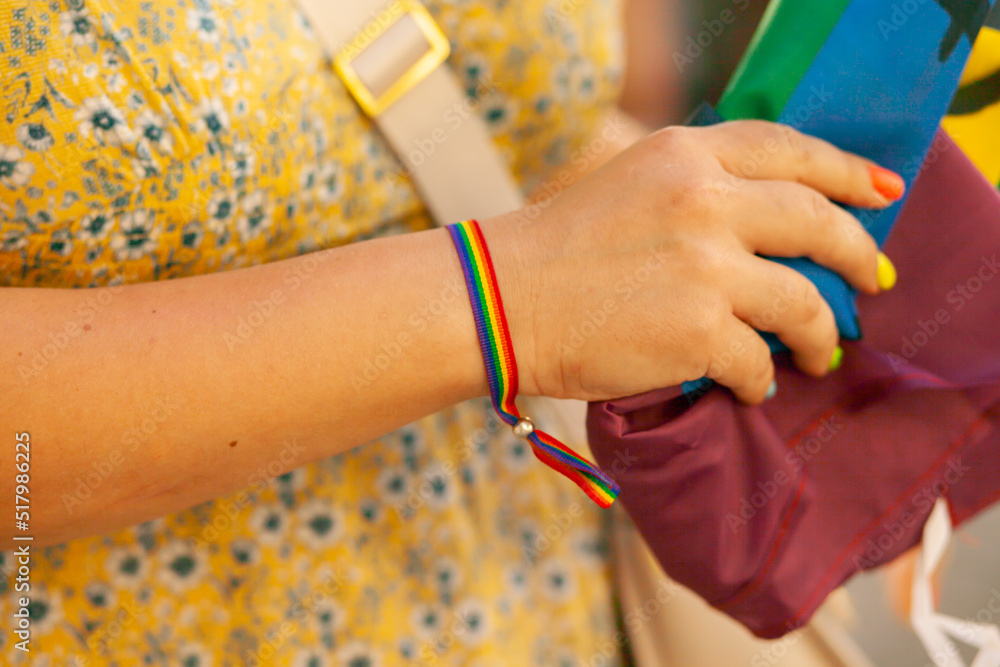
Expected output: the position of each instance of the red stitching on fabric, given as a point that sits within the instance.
(958, 444)
(750, 588)
(753, 586)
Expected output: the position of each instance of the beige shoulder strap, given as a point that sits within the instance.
(391, 55)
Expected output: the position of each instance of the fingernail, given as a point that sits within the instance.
(772, 389)
(886, 272)
(887, 183)
(838, 358)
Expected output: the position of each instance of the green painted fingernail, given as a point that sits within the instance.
(772, 389)
(838, 358)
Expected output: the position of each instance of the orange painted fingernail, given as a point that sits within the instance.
(887, 183)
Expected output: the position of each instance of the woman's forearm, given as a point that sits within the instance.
(142, 400)
(147, 399)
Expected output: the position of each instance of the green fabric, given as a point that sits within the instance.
(790, 36)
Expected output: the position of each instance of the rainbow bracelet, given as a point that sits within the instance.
(501, 368)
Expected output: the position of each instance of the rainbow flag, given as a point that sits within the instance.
(875, 77)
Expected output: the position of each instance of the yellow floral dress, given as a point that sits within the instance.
(148, 140)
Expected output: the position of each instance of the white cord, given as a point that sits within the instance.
(936, 630)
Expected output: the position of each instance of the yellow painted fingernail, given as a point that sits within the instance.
(838, 358)
(886, 273)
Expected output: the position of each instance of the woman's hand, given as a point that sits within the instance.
(646, 273)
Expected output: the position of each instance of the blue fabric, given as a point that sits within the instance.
(881, 92)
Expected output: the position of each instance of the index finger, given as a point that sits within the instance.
(761, 150)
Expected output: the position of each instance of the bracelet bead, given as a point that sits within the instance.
(523, 428)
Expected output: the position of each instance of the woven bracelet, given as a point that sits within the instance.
(501, 368)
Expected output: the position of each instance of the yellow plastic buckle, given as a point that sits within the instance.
(438, 53)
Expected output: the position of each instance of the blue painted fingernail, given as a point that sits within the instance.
(772, 389)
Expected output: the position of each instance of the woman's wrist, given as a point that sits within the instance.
(517, 251)
(522, 241)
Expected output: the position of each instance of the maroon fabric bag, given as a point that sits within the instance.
(763, 511)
